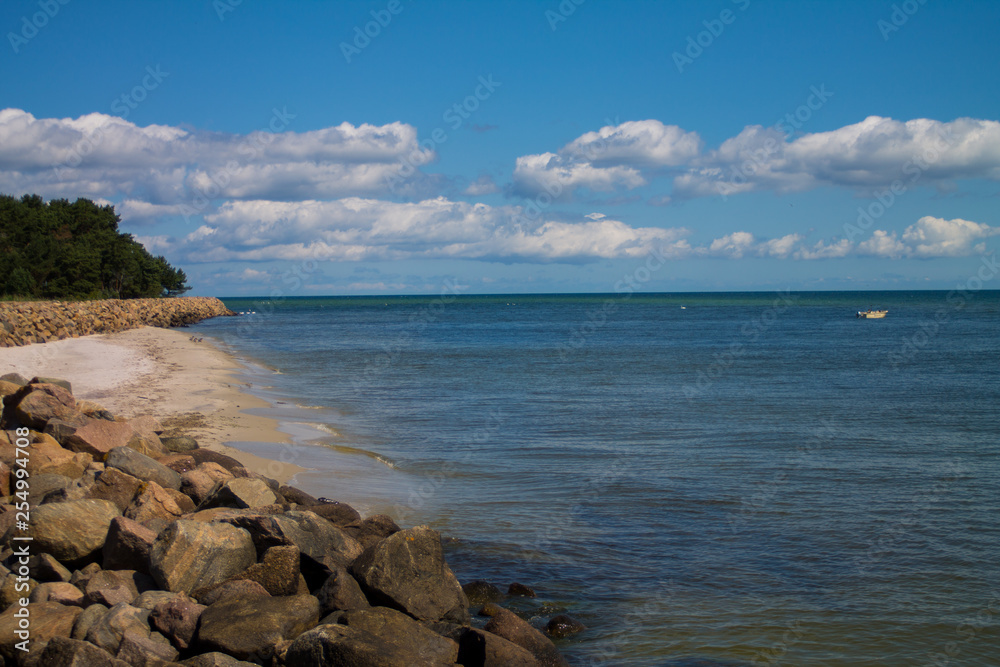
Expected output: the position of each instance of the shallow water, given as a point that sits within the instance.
(750, 478)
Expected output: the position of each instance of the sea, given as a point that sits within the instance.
(699, 478)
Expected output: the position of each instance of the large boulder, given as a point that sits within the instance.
(249, 629)
(152, 650)
(215, 659)
(127, 545)
(209, 456)
(189, 555)
(334, 644)
(153, 502)
(277, 571)
(407, 571)
(48, 619)
(147, 441)
(177, 619)
(111, 587)
(47, 456)
(234, 588)
(240, 492)
(108, 630)
(62, 592)
(114, 485)
(339, 592)
(66, 652)
(142, 467)
(323, 546)
(35, 404)
(179, 443)
(505, 623)
(478, 647)
(99, 437)
(73, 530)
(399, 631)
(201, 481)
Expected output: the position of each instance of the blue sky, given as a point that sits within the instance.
(398, 146)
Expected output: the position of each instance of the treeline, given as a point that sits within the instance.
(63, 250)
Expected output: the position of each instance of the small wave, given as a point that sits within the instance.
(384, 460)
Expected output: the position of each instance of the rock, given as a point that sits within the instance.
(47, 456)
(94, 410)
(478, 647)
(72, 531)
(47, 568)
(200, 482)
(8, 388)
(153, 502)
(520, 590)
(337, 513)
(127, 545)
(85, 621)
(179, 463)
(480, 592)
(111, 587)
(66, 652)
(142, 467)
(99, 437)
(329, 645)
(65, 384)
(80, 577)
(563, 626)
(177, 620)
(141, 650)
(35, 404)
(208, 456)
(277, 572)
(62, 429)
(513, 628)
(340, 591)
(241, 492)
(14, 378)
(189, 555)
(150, 599)
(148, 429)
(235, 588)
(62, 592)
(185, 503)
(114, 485)
(78, 489)
(5, 471)
(181, 443)
(44, 484)
(48, 620)
(216, 659)
(407, 571)
(322, 545)
(372, 530)
(108, 631)
(297, 496)
(398, 631)
(249, 630)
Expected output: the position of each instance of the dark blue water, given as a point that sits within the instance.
(746, 478)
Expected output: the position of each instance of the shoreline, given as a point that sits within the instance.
(151, 371)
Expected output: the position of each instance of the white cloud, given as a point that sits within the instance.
(606, 160)
(865, 156)
(931, 237)
(484, 185)
(102, 156)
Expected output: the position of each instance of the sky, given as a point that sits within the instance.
(416, 147)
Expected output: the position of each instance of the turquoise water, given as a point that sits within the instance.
(736, 478)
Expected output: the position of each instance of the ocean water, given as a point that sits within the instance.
(734, 479)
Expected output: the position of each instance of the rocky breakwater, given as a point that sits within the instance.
(26, 322)
(124, 545)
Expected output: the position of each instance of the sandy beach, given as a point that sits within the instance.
(161, 372)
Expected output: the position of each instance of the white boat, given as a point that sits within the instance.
(872, 314)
